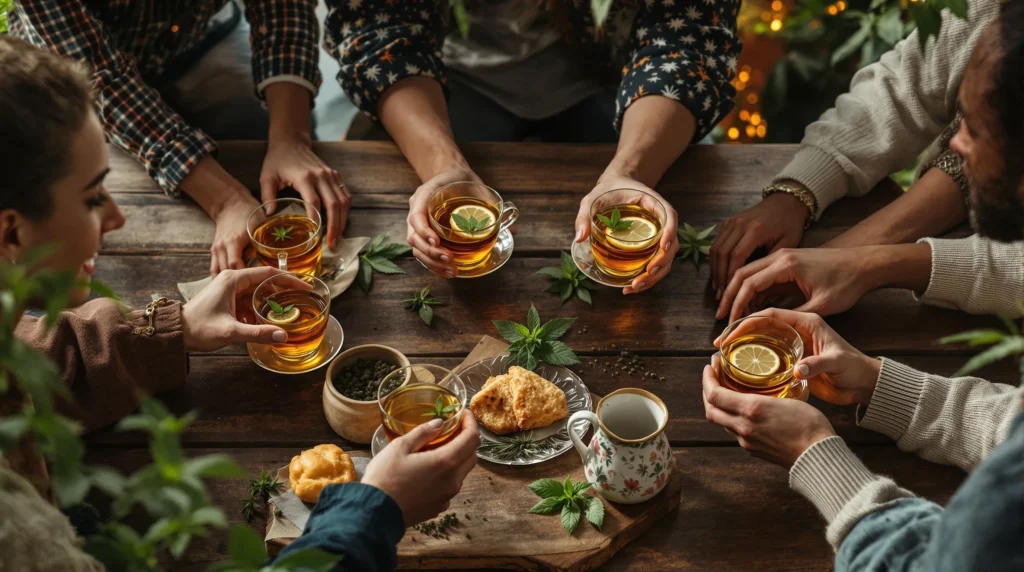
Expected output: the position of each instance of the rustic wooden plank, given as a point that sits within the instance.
(676, 316)
(243, 405)
(730, 515)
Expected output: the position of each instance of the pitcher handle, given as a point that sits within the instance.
(584, 451)
(509, 215)
(282, 261)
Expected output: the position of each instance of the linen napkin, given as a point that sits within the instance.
(339, 268)
(283, 529)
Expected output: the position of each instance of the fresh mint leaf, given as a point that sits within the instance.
(553, 271)
(580, 488)
(555, 329)
(583, 294)
(508, 330)
(557, 353)
(595, 512)
(427, 314)
(533, 319)
(549, 505)
(570, 517)
(275, 307)
(547, 488)
(383, 265)
(364, 278)
(378, 256)
(694, 243)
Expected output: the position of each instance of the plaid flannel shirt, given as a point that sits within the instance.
(126, 42)
(685, 50)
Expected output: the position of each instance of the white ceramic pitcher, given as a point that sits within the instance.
(628, 460)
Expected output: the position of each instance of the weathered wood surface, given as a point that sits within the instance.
(732, 505)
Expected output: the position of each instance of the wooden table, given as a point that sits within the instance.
(737, 513)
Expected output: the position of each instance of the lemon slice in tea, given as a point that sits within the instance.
(468, 212)
(756, 359)
(284, 318)
(636, 236)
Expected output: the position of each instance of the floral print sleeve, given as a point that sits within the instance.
(378, 43)
(686, 51)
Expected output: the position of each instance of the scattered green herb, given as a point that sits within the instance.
(259, 492)
(441, 411)
(694, 243)
(568, 280)
(1004, 344)
(520, 446)
(282, 233)
(534, 342)
(359, 380)
(470, 225)
(615, 222)
(570, 500)
(439, 527)
(277, 307)
(378, 256)
(421, 302)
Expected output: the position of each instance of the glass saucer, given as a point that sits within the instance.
(584, 259)
(334, 338)
(499, 255)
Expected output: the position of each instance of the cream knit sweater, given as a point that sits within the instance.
(894, 110)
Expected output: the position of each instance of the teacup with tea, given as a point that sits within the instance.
(417, 394)
(290, 239)
(626, 227)
(759, 355)
(300, 305)
(467, 217)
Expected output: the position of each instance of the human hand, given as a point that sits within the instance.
(770, 428)
(423, 483)
(661, 264)
(835, 371)
(292, 163)
(775, 222)
(231, 236)
(831, 280)
(424, 241)
(209, 320)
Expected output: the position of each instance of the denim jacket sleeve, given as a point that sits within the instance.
(358, 521)
(981, 529)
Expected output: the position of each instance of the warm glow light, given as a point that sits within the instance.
(776, 25)
(841, 5)
(762, 131)
(734, 133)
(744, 115)
(752, 98)
(755, 119)
(832, 10)
(745, 68)
(751, 131)
(777, 5)
(174, 29)
(744, 76)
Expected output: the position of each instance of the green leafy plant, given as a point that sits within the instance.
(278, 309)
(568, 498)
(378, 256)
(568, 280)
(615, 223)
(471, 224)
(534, 342)
(693, 243)
(421, 302)
(259, 493)
(282, 233)
(441, 411)
(247, 553)
(5, 7)
(1003, 345)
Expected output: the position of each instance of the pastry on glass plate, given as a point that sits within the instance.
(518, 401)
(313, 469)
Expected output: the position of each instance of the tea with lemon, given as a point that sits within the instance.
(468, 228)
(409, 407)
(760, 364)
(623, 250)
(303, 315)
(295, 237)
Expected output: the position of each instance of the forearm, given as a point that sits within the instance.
(415, 114)
(906, 266)
(288, 107)
(933, 205)
(655, 132)
(213, 188)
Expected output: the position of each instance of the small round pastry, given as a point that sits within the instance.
(313, 469)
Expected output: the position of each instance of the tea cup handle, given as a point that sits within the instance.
(282, 261)
(584, 451)
(509, 215)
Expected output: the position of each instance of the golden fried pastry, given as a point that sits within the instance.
(313, 469)
(492, 406)
(536, 401)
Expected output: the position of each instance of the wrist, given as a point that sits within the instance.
(872, 368)
(288, 108)
(905, 266)
(213, 188)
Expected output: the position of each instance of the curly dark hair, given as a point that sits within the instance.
(44, 99)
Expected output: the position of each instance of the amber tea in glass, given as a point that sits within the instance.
(759, 355)
(468, 217)
(290, 239)
(298, 304)
(430, 392)
(625, 231)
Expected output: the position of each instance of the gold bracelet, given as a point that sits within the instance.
(803, 195)
(151, 315)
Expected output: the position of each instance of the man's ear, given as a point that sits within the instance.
(10, 242)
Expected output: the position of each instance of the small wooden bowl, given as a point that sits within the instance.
(356, 421)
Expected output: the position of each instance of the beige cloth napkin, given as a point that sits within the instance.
(281, 530)
(339, 268)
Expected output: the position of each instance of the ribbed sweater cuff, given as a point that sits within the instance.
(819, 172)
(897, 393)
(829, 475)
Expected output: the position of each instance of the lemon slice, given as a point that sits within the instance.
(636, 237)
(756, 359)
(285, 318)
(471, 211)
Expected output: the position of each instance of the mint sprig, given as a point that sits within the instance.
(694, 243)
(282, 233)
(278, 309)
(615, 222)
(441, 411)
(568, 280)
(568, 499)
(533, 342)
(378, 256)
(471, 224)
(421, 302)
